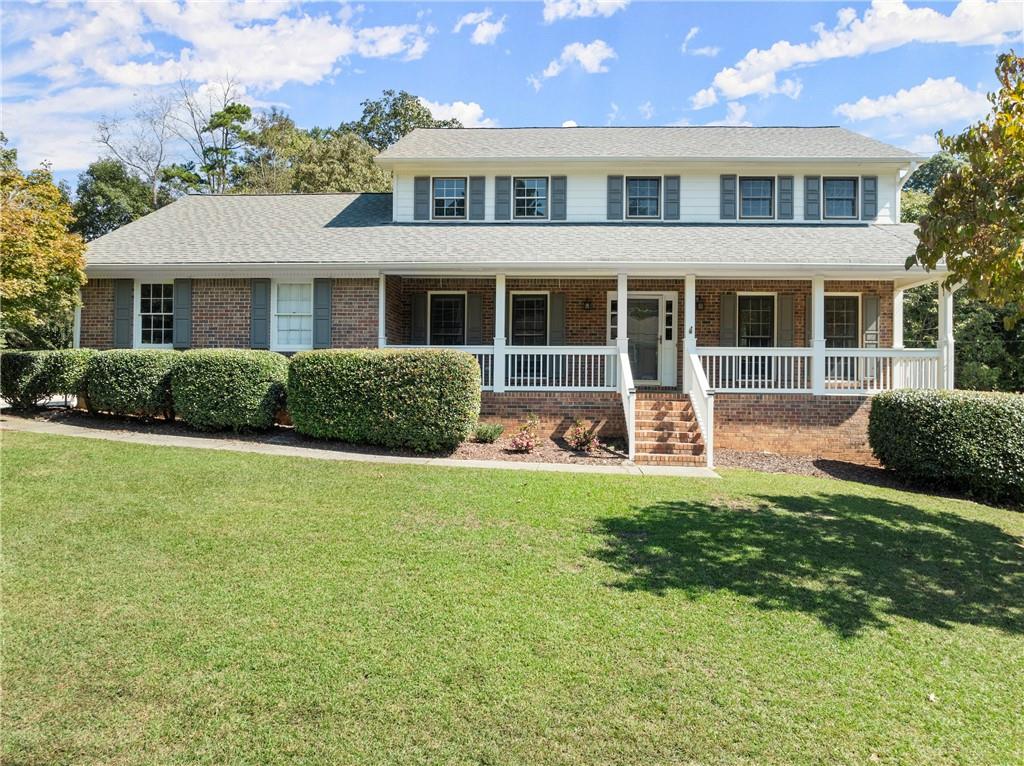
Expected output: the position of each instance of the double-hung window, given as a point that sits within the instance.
(449, 198)
(643, 197)
(531, 197)
(447, 319)
(293, 316)
(529, 319)
(840, 197)
(842, 330)
(156, 313)
(757, 198)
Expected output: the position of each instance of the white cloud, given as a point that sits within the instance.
(613, 113)
(708, 50)
(924, 143)
(576, 9)
(734, 114)
(590, 58)
(470, 114)
(646, 110)
(704, 98)
(570, 124)
(935, 102)
(485, 32)
(887, 24)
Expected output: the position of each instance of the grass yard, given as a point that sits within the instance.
(174, 606)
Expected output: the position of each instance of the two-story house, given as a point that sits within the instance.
(679, 286)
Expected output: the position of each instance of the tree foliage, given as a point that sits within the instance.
(931, 171)
(109, 196)
(975, 220)
(393, 115)
(339, 161)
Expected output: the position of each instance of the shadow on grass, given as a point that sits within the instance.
(852, 562)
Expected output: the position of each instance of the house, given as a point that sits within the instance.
(681, 286)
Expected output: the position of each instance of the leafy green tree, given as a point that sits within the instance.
(272, 150)
(228, 132)
(339, 161)
(931, 171)
(393, 115)
(913, 205)
(109, 196)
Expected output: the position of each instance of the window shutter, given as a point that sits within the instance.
(870, 323)
(558, 198)
(421, 198)
(474, 319)
(503, 198)
(785, 329)
(477, 191)
(671, 198)
(124, 312)
(785, 198)
(614, 198)
(556, 321)
(418, 318)
(869, 198)
(812, 198)
(727, 321)
(727, 198)
(809, 321)
(322, 313)
(259, 322)
(182, 313)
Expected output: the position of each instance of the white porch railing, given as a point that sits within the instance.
(561, 368)
(627, 390)
(702, 399)
(871, 370)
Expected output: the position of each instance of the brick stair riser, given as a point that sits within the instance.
(686, 460)
(682, 437)
(668, 448)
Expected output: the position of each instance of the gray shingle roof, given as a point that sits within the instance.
(639, 143)
(355, 230)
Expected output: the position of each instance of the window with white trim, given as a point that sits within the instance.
(447, 319)
(840, 197)
(293, 315)
(529, 321)
(156, 313)
(530, 196)
(757, 197)
(449, 198)
(643, 197)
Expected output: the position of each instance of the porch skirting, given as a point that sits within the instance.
(556, 410)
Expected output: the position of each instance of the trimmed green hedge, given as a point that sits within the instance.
(425, 400)
(967, 440)
(227, 388)
(30, 377)
(131, 382)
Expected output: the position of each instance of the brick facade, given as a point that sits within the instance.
(97, 324)
(221, 313)
(555, 411)
(354, 313)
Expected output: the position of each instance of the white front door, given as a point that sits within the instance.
(651, 329)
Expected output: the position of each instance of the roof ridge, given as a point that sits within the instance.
(284, 194)
(642, 127)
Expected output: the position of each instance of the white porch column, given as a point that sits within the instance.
(818, 334)
(689, 327)
(897, 336)
(622, 302)
(499, 333)
(946, 377)
(382, 317)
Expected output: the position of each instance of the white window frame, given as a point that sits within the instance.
(465, 215)
(465, 312)
(274, 345)
(137, 327)
(856, 199)
(547, 198)
(625, 196)
(775, 315)
(547, 319)
(860, 314)
(739, 199)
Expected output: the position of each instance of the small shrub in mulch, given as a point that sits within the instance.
(582, 438)
(525, 439)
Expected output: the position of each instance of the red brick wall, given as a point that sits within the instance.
(98, 314)
(221, 313)
(354, 313)
(831, 427)
(555, 410)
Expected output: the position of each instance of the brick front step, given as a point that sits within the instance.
(650, 435)
(666, 424)
(668, 448)
(687, 460)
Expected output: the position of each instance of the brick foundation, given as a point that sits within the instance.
(556, 411)
(830, 427)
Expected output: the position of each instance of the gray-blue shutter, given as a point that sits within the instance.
(124, 313)
(322, 313)
(727, 198)
(614, 198)
(477, 193)
(474, 319)
(556, 319)
(869, 198)
(870, 324)
(182, 313)
(559, 198)
(421, 198)
(785, 198)
(418, 318)
(503, 198)
(259, 314)
(812, 198)
(727, 321)
(671, 206)
(786, 332)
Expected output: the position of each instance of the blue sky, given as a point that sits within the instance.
(897, 71)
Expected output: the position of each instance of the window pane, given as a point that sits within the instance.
(449, 197)
(529, 320)
(840, 197)
(294, 299)
(156, 313)
(756, 321)
(757, 197)
(531, 197)
(643, 196)
(448, 320)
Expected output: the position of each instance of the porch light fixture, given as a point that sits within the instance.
(700, 303)
(588, 305)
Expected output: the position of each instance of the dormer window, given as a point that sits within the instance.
(449, 198)
(643, 196)
(530, 196)
(757, 198)
(840, 197)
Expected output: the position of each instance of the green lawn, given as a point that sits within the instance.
(173, 606)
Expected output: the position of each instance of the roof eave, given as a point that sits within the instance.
(392, 162)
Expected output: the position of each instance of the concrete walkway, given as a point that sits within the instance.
(13, 423)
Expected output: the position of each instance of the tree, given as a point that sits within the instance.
(913, 205)
(144, 144)
(931, 171)
(393, 115)
(41, 262)
(228, 134)
(270, 156)
(204, 120)
(975, 220)
(109, 196)
(339, 161)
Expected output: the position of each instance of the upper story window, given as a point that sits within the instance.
(293, 316)
(643, 197)
(156, 313)
(757, 198)
(449, 198)
(840, 197)
(531, 197)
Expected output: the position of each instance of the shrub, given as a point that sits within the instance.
(131, 382)
(425, 400)
(525, 439)
(30, 377)
(488, 433)
(966, 440)
(228, 388)
(580, 438)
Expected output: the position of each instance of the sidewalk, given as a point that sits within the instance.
(10, 422)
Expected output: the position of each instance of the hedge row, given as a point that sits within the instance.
(424, 400)
(971, 441)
